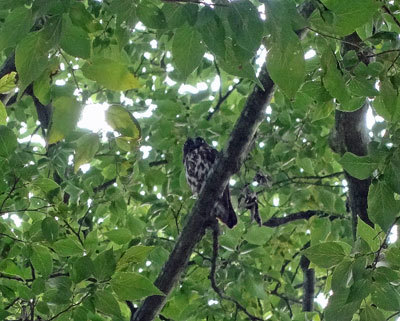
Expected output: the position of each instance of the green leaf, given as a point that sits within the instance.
(50, 229)
(134, 255)
(360, 167)
(371, 313)
(132, 286)
(8, 141)
(66, 112)
(368, 234)
(86, 147)
(326, 254)
(347, 16)
(382, 207)
(16, 26)
(74, 40)
(31, 58)
(106, 303)
(339, 309)
(3, 114)
(386, 297)
(151, 15)
(7, 82)
(342, 276)
(123, 121)
(42, 260)
(285, 61)
(45, 184)
(82, 18)
(111, 74)
(174, 14)
(245, 20)
(237, 66)
(362, 87)
(187, 50)
(212, 31)
(104, 265)
(67, 247)
(333, 79)
(258, 235)
(82, 269)
(120, 236)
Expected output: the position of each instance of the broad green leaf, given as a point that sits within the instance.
(393, 256)
(31, 58)
(150, 15)
(123, 121)
(174, 14)
(67, 247)
(386, 297)
(66, 112)
(333, 79)
(42, 260)
(82, 18)
(237, 66)
(45, 184)
(368, 234)
(16, 26)
(42, 87)
(258, 235)
(362, 87)
(104, 265)
(342, 276)
(8, 141)
(111, 74)
(245, 20)
(371, 313)
(325, 255)
(74, 40)
(285, 60)
(106, 303)
(359, 290)
(86, 147)
(389, 98)
(125, 11)
(212, 31)
(7, 82)
(360, 167)
(187, 50)
(347, 16)
(132, 286)
(382, 207)
(120, 236)
(339, 309)
(50, 229)
(134, 255)
(3, 114)
(384, 274)
(83, 268)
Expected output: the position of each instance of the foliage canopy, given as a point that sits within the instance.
(88, 218)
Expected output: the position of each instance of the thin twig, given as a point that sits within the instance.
(70, 307)
(16, 180)
(222, 99)
(333, 37)
(215, 234)
(387, 10)
(71, 69)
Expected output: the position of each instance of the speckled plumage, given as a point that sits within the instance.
(198, 158)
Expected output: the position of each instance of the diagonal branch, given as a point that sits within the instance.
(229, 163)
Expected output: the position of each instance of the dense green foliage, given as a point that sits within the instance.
(77, 242)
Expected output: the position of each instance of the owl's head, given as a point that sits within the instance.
(192, 144)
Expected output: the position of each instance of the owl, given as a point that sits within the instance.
(198, 158)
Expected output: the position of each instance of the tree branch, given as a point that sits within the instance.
(227, 164)
(306, 215)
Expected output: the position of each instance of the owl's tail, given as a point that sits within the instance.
(225, 211)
